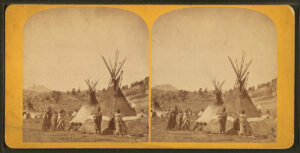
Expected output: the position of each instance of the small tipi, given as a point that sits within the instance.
(211, 112)
(87, 110)
(156, 110)
(113, 98)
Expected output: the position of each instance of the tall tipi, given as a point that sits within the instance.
(113, 98)
(238, 100)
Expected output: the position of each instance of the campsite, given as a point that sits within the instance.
(78, 110)
(203, 109)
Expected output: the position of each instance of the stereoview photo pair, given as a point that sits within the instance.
(149, 75)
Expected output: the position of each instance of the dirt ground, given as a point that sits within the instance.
(32, 133)
(160, 134)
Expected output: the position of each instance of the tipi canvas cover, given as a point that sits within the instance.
(238, 100)
(86, 111)
(113, 98)
(211, 112)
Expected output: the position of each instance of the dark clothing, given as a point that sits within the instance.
(111, 124)
(172, 121)
(222, 121)
(236, 128)
(236, 124)
(47, 121)
(98, 121)
(111, 127)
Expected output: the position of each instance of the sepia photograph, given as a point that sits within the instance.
(85, 76)
(214, 76)
(112, 76)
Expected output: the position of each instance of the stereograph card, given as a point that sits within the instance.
(149, 76)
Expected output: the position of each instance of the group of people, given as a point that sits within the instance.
(240, 125)
(74, 126)
(179, 120)
(54, 120)
(30, 114)
(116, 124)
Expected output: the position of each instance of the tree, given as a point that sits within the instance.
(73, 92)
(78, 91)
(200, 91)
(30, 106)
(183, 94)
(56, 95)
(47, 98)
(205, 91)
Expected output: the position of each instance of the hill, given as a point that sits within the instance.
(264, 94)
(39, 88)
(165, 87)
(38, 98)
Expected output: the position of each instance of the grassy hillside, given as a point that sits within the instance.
(264, 94)
(35, 101)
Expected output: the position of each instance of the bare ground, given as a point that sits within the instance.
(32, 133)
(160, 134)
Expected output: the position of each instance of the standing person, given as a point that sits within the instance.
(172, 121)
(54, 122)
(47, 120)
(120, 125)
(61, 120)
(185, 121)
(222, 120)
(98, 120)
(243, 121)
(179, 120)
(118, 119)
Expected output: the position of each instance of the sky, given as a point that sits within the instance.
(190, 47)
(62, 47)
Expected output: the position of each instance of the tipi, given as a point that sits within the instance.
(238, 100)
(235, 102)
(156, 110)
(212, 111)
(87, 110)
(113, 98)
